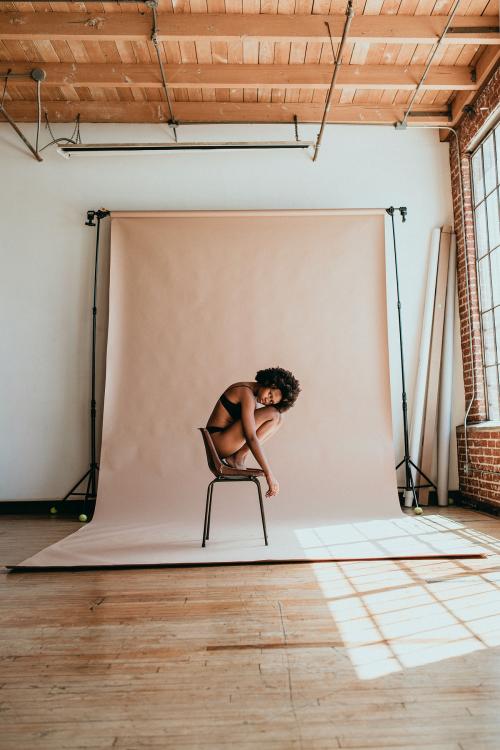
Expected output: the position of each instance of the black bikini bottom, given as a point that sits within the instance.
(215, 429)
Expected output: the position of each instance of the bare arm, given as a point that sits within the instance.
(250, 433)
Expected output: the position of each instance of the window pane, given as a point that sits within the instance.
(477, 177)
(489, 339)
(493, 220)
(490, 172)
(485, 284)
(481, 230)
(495, 275)
(485, 174)
(492, 388)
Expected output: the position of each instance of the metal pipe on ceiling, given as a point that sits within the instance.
(153, 5)
(11, 122)
(402, 124)
(338, 63)
(37, 75)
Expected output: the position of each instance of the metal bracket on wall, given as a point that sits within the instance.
(37, 75)
(296, 126)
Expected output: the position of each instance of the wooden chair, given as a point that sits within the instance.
(225, 473)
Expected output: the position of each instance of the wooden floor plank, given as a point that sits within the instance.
(381, 655)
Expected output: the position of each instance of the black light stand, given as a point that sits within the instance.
(91, 475)
(406, 460)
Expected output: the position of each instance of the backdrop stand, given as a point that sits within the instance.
(409, 485)
(90, 494)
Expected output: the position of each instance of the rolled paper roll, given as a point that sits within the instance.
(446, 382)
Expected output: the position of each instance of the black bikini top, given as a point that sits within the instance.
(234, 410)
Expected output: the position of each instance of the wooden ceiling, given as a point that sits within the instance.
(246, 60)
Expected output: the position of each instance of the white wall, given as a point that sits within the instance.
(47, 259)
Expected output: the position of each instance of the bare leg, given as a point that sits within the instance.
(264, 432)
(229, 442)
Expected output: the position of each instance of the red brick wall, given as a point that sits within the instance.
(476, 482)
(481, 482)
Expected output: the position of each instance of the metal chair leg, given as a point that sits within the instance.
(205, 522)
(209, 509)
(262, 515)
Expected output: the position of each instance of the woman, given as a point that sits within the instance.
(238, 425)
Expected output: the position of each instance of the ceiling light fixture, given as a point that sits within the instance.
(99, 148)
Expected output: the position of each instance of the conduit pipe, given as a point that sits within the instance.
(37, 75)
(429, 62)
(153, 5)
(338, 63)
(11, 122)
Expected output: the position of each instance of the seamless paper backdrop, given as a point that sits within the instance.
(201, 300)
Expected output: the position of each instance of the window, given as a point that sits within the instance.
(485, 171)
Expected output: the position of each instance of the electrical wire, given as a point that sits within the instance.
(74, 139)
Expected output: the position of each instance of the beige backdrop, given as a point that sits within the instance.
(201, 300)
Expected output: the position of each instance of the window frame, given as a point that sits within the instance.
(494, 133)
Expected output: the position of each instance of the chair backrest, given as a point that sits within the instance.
(214, 463)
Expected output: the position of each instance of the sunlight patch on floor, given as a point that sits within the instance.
(389, 614)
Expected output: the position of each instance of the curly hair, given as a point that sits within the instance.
(277, 377)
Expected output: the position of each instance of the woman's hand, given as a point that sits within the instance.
(273, 485)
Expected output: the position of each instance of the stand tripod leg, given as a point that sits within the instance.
(77, 485)
(422, 474)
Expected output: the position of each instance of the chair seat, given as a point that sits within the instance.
(228, 471)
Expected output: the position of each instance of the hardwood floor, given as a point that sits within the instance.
(261, 657)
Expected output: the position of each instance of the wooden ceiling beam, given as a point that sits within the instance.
(225, 112)
(381, 77)
(393, 29)
(484, 66)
